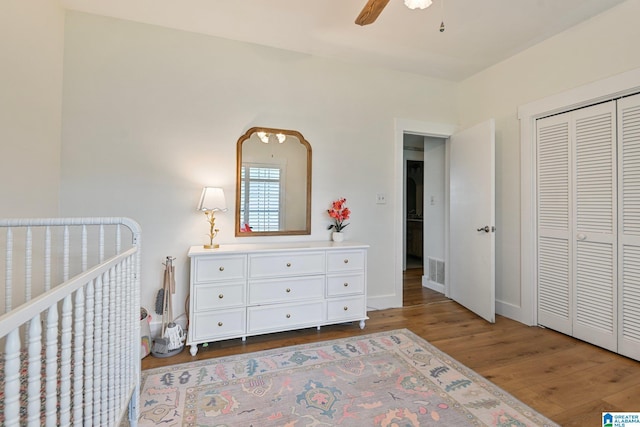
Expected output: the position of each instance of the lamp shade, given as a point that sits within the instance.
(212, 199)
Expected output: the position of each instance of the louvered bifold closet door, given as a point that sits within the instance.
(629, 226)
(554, 214)
(595, 315)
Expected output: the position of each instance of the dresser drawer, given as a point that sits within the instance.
(282, 317)
(338, 261)
(209, 269)
(214, 296)
(269, 291)
(215, 325)
(346, 309)
(286, 264)
(345, 284)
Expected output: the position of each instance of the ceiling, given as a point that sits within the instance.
(478, 34)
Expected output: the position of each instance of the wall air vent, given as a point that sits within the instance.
(436, 270)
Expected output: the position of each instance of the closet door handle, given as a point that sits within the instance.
(581, 236)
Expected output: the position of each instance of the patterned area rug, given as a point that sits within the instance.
(385, 379)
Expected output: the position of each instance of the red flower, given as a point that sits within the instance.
(340, 213)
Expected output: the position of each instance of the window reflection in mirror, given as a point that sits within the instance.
(273, 185)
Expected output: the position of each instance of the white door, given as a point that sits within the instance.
(577, 224)
(555, 182)
(595, 225)
(472, 219)
(629, 226)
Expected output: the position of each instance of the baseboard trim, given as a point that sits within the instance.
(383, 302)
(426, 283)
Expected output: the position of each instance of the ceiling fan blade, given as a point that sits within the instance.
(371, 11)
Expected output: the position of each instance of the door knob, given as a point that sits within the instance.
(486, 229)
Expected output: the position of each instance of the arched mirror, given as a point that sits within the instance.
(273, 183)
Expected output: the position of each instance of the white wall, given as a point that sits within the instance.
(31, 44)
(601, 47)
(151, 115)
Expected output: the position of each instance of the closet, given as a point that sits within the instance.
(588, 228)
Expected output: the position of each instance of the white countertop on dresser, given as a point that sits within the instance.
(275, 246)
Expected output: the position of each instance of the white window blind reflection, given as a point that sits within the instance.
(260, 192)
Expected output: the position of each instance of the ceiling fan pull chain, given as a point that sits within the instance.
(442, 13)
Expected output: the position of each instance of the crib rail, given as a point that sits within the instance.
(71, 353)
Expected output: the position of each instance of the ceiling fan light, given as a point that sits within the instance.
(264, 137)
(417, 4)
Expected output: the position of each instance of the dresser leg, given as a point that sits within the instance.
(194, 349)
(362, 324)
(244, 339)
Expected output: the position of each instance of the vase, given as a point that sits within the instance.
(337, 236)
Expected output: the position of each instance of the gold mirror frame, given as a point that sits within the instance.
(247, 135)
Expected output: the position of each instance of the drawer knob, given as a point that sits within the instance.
(345, 308)
(219, 323)
(288, 264)
(346, 261)
(288, 316)
(345, 284)
(221, 268)
(288, 290)
(220, 296)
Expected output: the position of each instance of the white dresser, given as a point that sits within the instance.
(240, 290)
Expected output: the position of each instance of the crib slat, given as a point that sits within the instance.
(124, 315)
(28, 254)
(34, 399)
(51, 367)
(132, 317)
(78, 353)
(106, 350)
(118, 238)
(65, 256)
(87, 399)
(47, 258)
(84, 248)
(119, 336)
(97, 353)
(112, 345)
(65, 362)
(8, 273)
(101, 244)
(12, 379)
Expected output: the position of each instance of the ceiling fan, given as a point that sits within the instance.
(373, 8)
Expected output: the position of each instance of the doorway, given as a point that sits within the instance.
(470, 197)
(424, 185)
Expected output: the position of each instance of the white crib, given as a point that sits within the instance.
(69, 333)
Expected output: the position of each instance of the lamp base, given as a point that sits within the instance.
(214, 246)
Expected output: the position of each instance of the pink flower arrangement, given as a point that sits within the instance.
(340, 213)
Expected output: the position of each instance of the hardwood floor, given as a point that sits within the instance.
(567, 380)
